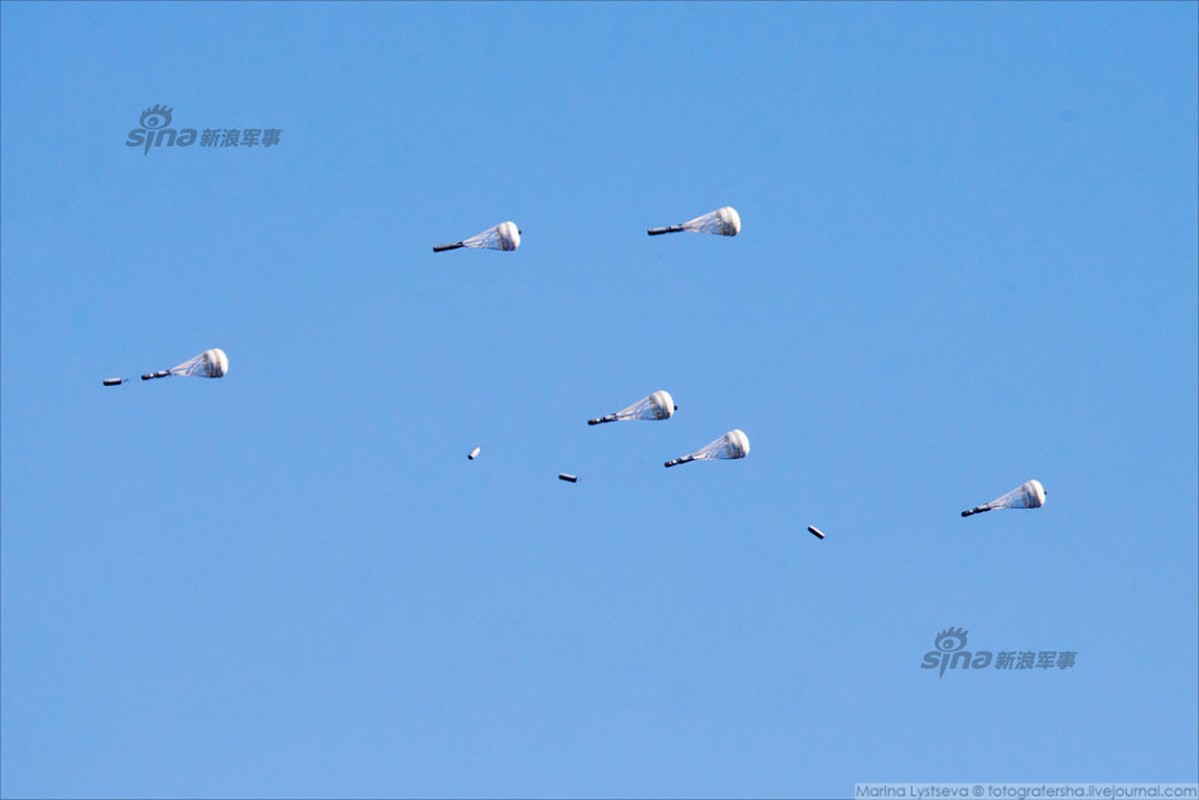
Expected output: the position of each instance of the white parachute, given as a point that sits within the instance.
(734, 444)
(721, 222)
(209, 364)
(1030, 494)
(505, 236)
(659, 405)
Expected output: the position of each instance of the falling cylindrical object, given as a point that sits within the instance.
(563, 476)
(812, 529)
(113, 381)
(472, 454)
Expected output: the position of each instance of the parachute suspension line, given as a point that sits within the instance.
(666, 229)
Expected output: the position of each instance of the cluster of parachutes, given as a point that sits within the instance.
(723, 221)
(506, 236)
(659, 405)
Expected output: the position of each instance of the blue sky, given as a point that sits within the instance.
(968, 258)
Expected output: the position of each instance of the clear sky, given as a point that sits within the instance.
(968, 258)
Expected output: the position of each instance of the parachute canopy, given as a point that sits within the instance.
(1030, 494)
(721, 222)
(505, 236)
(209, 364)
(734, 444)
(659, 405)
